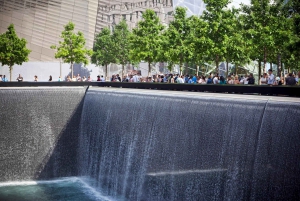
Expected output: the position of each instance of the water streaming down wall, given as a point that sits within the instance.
(39, 132)
(148, 146)
(155, 147)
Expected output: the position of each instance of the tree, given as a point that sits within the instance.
(237, 48)
(197, 43)
(72, 49)
(259, 24)
(12, 49)
(176, 47)
(293, 12)
(121, 42)
(218, 27)
(146, 40)
(104, 50)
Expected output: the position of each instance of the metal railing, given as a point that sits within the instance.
(244, 89)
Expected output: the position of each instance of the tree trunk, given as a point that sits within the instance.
(227, 66)
(72, 73)
(279, 65)
(271, 66)
(149, 69)
(10, 72)
(106, 72)
(197, 70)
(259, 71)
(122, 72)
(236, 67)
(265, 59)
(181, 69)
(217, 64)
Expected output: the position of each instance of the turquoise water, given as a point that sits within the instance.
(64, 189)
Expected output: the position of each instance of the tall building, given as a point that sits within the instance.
(41, 22)
(194, 7)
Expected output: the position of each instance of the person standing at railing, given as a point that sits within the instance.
(202, 80)
(236, 80)
(4, 79)
(78, 78)
(264, 79)
(222, 80)
(290, 80)
(271, 77)
(230, 80)
(216, 79)
(20, 78)
(35, 78)
(251, 79)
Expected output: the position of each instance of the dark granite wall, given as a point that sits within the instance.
(152, 146)
(39, 132)
(178, 147)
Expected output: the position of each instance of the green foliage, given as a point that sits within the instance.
(217, 33)
(176, 49)
(12, 49)
(146, 40)
(293, 13)
(237, 48)
(104, 53)
(121, 42)
(72, 49)
(258, 24)
(198, 44)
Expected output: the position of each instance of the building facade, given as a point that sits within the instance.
(194, 7)
(41, 22)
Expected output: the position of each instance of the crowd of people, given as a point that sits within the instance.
(266, 79)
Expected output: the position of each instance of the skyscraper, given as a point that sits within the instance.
(194, 7)
(41, 22)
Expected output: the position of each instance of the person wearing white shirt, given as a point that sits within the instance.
(179, 80)
(216, 80)
(102, 79)
(135, 78)
(263, 80)
(202, 80)
(242, 80)
(246, 79)
(271, 77)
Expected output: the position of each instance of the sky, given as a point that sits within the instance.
(236, 3)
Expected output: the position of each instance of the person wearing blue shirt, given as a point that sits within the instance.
(4, 79)
(191, 80)
(195, 79)
(186, 79)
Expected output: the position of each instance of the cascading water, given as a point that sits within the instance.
(157, 147)
(148, 145)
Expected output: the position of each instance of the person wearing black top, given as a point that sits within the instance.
(290, 80)
(20, 78)
(251, 79)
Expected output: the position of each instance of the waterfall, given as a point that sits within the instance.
(125, 144)
(157, 146)
(39, 132)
